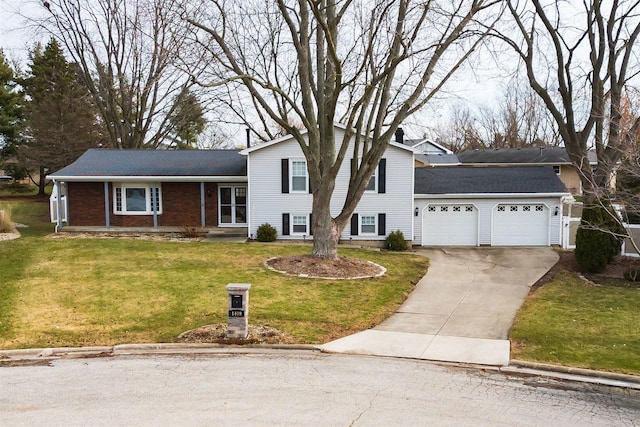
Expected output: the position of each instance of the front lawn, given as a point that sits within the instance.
(573, 323)
(79, 292)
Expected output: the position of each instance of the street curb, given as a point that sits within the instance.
(575, 374)
(8, 356)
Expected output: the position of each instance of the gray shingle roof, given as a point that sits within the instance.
(170, 163)
(487, 180)
(438, 159)
(548, 155)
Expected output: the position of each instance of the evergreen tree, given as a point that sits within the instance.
(11, 117)
(187, 120)
(61, 120)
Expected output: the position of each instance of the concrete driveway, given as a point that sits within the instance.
(461, 311)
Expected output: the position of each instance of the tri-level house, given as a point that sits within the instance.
(268, 183)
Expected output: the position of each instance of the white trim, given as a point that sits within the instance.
(435, 144)
(291, 224)
(249, 150)
(489, 195)
(148, 190)
(306, 175)
(233, 205)
(375, 225)
(147, 178)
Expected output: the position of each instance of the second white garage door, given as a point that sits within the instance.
(520, 225)
(450, 225)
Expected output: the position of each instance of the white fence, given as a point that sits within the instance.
(570, 227)
(53, 206)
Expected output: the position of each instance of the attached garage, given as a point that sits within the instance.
(450, 225)
(487, 206)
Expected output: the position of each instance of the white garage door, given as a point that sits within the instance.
(520, 225)
(450, 225)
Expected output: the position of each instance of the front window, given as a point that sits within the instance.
(300, 224)
(368, 224)
(137, 199)
(299, 175)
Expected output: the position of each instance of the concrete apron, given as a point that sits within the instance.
(461, 310)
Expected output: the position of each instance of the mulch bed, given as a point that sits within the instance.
(340, 268)
(613, 275)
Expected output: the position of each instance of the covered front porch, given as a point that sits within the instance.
(227, 234)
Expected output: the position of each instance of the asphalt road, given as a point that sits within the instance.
(297, 388)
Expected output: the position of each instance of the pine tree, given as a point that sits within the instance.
(61, 118)
(11, 117)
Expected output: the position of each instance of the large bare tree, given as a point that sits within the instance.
(127, 51)
(309, 64)
(579, 56)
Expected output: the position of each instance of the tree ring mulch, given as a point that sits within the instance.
(341, 268)
(217, 334)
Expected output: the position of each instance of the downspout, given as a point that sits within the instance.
(106, 205)
(154, 197)
(202, 200)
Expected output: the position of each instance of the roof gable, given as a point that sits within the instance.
(285, 138)
(162, 163)
(487, 180)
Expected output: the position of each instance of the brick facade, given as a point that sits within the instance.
(180, 206)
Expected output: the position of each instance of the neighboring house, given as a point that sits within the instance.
(428, 153)
(269, 183)
(493, 206)
(556, 158)
(279, 192)
(155, 188)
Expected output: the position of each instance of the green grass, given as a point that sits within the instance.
(573, 323)
(71, 292)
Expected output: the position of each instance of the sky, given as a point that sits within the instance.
(18, 35)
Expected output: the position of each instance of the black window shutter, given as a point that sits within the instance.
(284, 175)
(285, 224)
(354, 224)
(310, 224)
(382, 224)
(382, 176)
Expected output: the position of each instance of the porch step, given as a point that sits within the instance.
(224, 234)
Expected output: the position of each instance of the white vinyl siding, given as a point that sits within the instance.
(267, 201)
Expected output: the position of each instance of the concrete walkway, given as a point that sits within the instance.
(461, 311)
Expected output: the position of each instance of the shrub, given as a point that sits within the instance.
(596, 239)
(266, 233)
(632, 275)
(395, 241)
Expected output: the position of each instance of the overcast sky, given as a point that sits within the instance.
(481, 86)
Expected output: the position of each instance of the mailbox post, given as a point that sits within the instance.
(238, 318)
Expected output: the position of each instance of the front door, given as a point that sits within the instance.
(233, 205)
